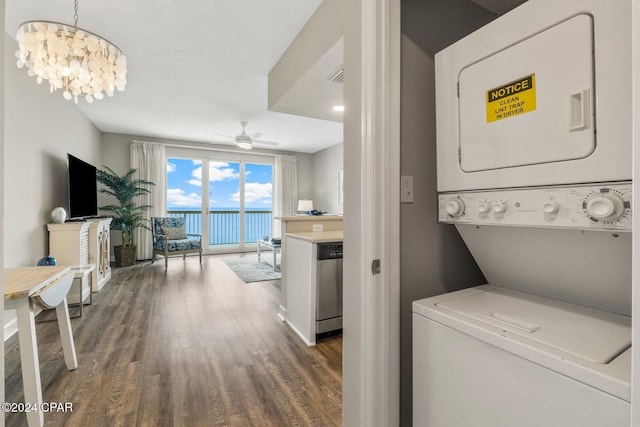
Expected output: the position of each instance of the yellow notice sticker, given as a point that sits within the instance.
(510, 100)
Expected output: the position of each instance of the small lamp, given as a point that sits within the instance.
(305, 205)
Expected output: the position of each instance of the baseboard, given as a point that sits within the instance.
(10, 329)
(282, 313)
(307, 342)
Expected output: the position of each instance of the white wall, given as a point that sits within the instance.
(40, 128)
(115, 154)
(326, 164)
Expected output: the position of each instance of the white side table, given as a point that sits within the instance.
(275, 248)
(82, 279)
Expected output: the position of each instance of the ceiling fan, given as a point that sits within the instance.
(246, 141)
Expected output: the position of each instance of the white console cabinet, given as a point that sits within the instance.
(80, 244)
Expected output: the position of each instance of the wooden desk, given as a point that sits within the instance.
(47, 287)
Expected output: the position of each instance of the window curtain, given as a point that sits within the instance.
(150, 160)
(286, 190)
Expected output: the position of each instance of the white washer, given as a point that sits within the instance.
(534, 169)
(494, 357)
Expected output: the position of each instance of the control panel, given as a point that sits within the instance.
(594, 206)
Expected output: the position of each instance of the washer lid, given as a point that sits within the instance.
(592, 335)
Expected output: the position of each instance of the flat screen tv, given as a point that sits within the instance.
(83, 189)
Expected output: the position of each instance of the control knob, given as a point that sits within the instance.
(605, 206)
(499, 207)
(455, 207)
(551, 207)
(484, 208)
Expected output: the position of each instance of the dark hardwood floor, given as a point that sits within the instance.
(194, 346)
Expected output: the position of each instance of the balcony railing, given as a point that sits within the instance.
(224, 226)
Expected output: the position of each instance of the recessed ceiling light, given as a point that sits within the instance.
(338, 108)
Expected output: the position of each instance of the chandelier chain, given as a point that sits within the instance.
(75, 13)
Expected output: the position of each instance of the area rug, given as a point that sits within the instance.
(250, 270)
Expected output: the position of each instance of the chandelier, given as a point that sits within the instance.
(79, 62)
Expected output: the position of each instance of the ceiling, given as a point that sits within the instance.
(198, 68)
(195, 69)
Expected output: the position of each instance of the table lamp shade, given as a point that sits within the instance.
(305, 205)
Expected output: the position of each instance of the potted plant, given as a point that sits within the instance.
(127, 217)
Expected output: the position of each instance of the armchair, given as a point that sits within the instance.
(170, 238)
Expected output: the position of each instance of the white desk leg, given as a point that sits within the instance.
(66, 335)
(29, 359)
(274, 258)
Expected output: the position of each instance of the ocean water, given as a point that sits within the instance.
(224, 223)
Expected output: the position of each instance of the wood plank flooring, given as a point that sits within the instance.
(192, 346)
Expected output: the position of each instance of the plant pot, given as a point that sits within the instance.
(125, 255)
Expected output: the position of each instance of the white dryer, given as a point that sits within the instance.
(540, 96)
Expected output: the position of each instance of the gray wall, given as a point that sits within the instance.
(433, 257)
(40, 128)
(326, 164)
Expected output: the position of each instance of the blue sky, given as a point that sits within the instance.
(184, 184)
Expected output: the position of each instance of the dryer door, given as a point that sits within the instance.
(530, 103)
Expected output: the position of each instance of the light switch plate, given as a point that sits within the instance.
(318, 227)
(406, 189)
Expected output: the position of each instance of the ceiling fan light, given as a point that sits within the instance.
(245, 145)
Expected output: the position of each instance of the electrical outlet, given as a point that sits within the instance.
(318, 227)
(406, 189)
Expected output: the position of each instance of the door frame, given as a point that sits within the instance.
(2, 13)
(371, 213)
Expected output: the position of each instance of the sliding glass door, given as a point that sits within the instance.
(258, 202)
(229, 202)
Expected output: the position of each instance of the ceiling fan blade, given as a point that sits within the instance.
(263, 142)
(226, 136)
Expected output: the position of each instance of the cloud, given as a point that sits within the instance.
(171, 167)
(254, 192)
(177, 197)
(218, 171)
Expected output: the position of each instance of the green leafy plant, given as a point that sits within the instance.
(127, 217)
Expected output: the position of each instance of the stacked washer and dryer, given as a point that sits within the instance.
(534, 169)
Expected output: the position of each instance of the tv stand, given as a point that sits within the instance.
(81, 243)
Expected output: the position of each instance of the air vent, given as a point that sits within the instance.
(337, 76)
